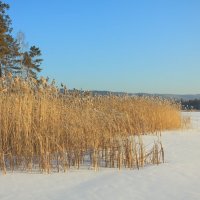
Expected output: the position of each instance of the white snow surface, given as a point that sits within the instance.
(177, 179)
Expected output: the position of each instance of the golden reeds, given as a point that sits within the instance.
(42, 128)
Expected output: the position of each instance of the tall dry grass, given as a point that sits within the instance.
(43, 129)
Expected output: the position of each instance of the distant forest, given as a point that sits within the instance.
(190, 104)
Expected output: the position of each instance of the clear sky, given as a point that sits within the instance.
(118, 45)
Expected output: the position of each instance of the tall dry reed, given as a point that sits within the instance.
(44, 129)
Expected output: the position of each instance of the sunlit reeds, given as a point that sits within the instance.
(44, 129)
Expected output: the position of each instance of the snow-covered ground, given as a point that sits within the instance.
(177, 179)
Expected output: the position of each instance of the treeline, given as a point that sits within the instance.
(190, 104)
(15, 56)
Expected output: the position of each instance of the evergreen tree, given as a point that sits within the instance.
(8, 45)
(31, 62)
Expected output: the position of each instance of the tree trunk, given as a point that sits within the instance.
(0, 71)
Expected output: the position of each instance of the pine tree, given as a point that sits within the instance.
(31, 62)
(8, 45)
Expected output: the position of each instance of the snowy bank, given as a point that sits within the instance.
(177, 179)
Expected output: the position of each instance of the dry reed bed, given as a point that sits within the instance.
(43, 129)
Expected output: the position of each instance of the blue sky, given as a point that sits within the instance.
(118, 45)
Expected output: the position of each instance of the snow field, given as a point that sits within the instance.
(177, 179)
